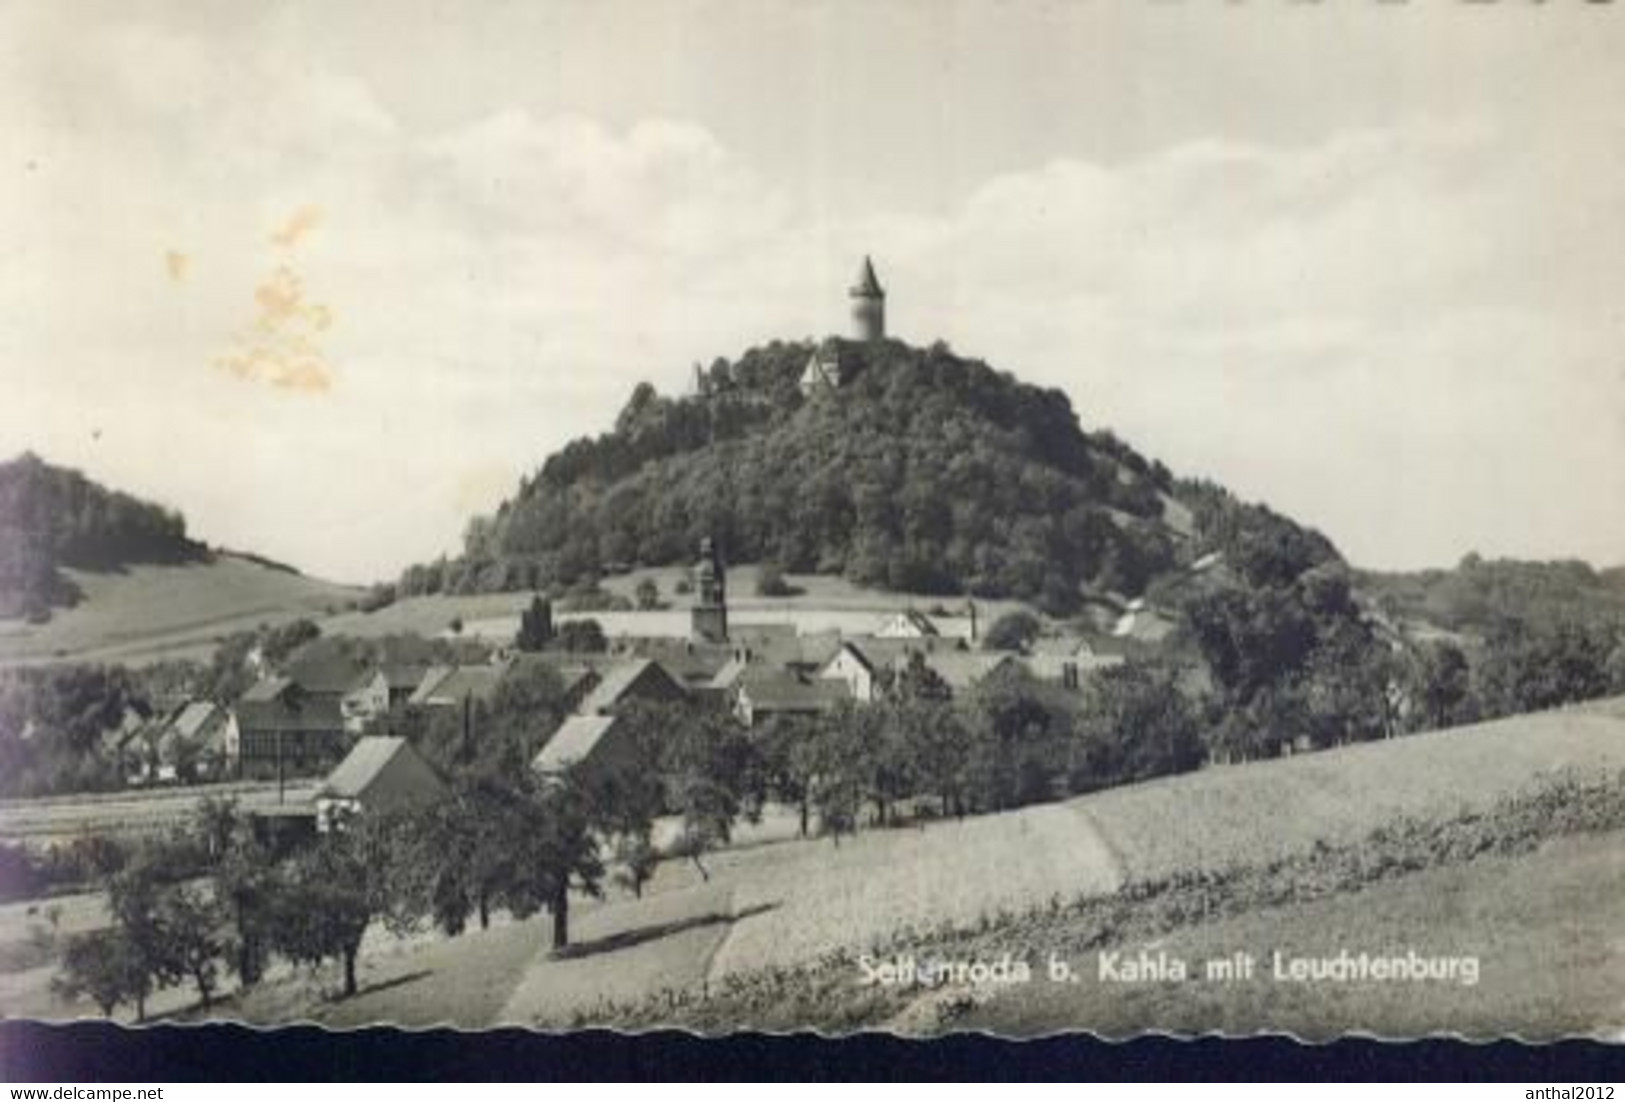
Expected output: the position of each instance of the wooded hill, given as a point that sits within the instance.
(52, 517)
(925, 472)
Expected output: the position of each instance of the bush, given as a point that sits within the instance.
(1012, 631)
(770, 582)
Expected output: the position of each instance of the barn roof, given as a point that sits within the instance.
(573, 742)
(618, 680)
(265, 689)
(290, 712)
(327, 672)
(451, 684)
(381, 770)
(962, 669)
(194, 718)
(782, 692)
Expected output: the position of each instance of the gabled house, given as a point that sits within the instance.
(279, 729)
(964, 670)
(187, 744)
(401, 681)
(639, 679)
(759, 696)
(908, 624)
(378, 774)
(853, 668)
(449, 686)
(592, 745)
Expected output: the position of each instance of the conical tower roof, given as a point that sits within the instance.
(867, 285)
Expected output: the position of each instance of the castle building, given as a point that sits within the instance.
(827, 369)
(708, 620)
(868, 305)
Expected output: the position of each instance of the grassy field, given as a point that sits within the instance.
(145, 613)
(1547, 928)
(1248, 814)
(1547, 920)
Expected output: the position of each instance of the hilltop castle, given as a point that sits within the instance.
(826, 370)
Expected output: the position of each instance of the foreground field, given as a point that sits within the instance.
(145, 613)
(1547, 930)
(1034, 880)
(1250, 814)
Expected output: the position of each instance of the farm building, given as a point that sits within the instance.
(279, 729)
(964, 670)
(639, 679)
(595, 744)
(449, 686)
(761, 695)
(378, 774)
(187, 743)
(853, 668)
(908, 624)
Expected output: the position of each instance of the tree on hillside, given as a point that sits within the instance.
(1136, 723)
(789, 752)
(278, 644)
(332, 893)
(105, 967)
(647, 595)
(583, 637)
(939, 749)
(1441, 684)
(1012, 631)
(558, 855)
(841, 770)
(245, 885)
(770, 581)
(535, 626)
(1525, 668)
(1019, 738)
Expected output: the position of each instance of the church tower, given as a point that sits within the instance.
(868, 305)
(708, 620)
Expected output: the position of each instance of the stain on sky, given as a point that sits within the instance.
(176, 264)
(282, 346)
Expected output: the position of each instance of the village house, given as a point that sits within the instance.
(590, 745)
(187, 743)
(594, 737)
(1068, 660)
(450, 686)
(908, 624)
(639, 679)
(279, 729)
(961, 670)
(763, 693)
(853, 668)
(378, 774)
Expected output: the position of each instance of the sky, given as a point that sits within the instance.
(330, 277)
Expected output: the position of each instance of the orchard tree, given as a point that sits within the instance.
(105, 967)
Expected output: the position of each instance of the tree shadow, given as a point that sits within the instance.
(384, 985)
(628, 938)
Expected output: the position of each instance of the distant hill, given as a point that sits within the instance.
(150, 611)
(922, 471)
(91, 573)
(53, 518)
(1478, 594)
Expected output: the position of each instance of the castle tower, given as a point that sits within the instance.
(868, 305)
(708, 620)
